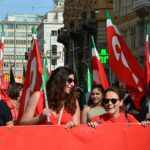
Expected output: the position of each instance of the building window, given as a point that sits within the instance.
(53, 33)
(9, 34)
(9, 26)
(54, 49)
(54, 62)
(19, 26)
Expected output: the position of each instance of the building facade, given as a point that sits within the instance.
(47, 33)
(131, 17)
(17, 41)
(82, 19)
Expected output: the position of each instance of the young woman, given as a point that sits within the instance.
(94, 107)
(112, 103)
(63, 107)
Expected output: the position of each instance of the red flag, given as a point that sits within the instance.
(4, 80)
(33, 77)
(147, 57)
(99, 76)
(123, 63)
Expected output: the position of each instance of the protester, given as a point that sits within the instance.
(145, 106)
(112, 102)
(63, 107)
(15, 94)
(94, 107)
(5, 115)
(78, 94)
(128, 104)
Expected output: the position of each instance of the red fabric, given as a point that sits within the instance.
(147, 63)
(10, 104)
(124, 65)
(105, 137)
(120, 119)
(5, 78)
(99, 76)
(33, 78)
(66, 117)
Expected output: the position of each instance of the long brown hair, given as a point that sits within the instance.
(55, 91)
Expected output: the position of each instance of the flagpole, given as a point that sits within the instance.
(45, 98)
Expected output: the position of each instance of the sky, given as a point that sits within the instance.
(24, 6)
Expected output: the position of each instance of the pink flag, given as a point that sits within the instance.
(99, 76)
(33, 77)
(124, 64)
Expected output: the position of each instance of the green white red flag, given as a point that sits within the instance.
(147, 57)
(1, 50)
(33, 77)
(99, 76)
(124, 64)
(87, 88)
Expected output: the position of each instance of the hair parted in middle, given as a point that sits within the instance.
(56, 91)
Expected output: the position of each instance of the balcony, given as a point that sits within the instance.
(63, 35)
(140, 4)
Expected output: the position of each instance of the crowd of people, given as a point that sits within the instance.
(64, 99)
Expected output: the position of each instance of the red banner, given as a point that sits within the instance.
(105, 137)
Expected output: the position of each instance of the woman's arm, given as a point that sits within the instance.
(84, 115)
(28, 117)
(76, 116)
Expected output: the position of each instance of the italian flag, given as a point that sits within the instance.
(1, 49)
(147, 55)
(99, 76)
(87, 88)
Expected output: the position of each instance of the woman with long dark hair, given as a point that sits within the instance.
(63, 107)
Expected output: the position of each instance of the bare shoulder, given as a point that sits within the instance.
(86, 109)
(35, 97)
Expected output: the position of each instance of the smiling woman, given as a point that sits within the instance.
(63, 107)
(112, 103)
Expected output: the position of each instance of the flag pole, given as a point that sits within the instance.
(148, 69)
(45, 98)
(44, 89)
(110, 77)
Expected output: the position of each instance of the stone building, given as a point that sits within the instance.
(82, 19)
(47, 33)
(17, 40)
(131, 17)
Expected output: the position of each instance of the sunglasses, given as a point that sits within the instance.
(69, 80)
(113, 100)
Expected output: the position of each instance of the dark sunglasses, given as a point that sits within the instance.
(69, 80)
(113, 100)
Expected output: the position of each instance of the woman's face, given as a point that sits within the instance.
(69, 84)
(96, 96)
(112, 103)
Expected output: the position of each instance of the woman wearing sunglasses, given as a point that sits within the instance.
(63, 107)
(112, 103)
(94, 107)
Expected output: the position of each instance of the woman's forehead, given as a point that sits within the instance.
(112, 93)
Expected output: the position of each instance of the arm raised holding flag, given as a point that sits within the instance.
(33, 77)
